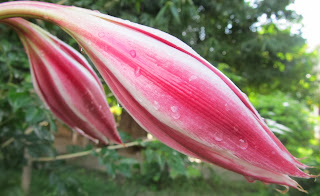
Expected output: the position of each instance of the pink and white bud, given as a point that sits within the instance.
(174, 93)
(66, 83)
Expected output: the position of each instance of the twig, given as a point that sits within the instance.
(10, 140)
(88, 152)
(6, 143)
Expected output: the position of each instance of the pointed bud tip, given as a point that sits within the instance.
(314, 176)
(287, 189)
(283, 191)
(118, 141)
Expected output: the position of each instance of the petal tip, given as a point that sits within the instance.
(283, 191)
(287, 189)
(119, 141)
(314, 176)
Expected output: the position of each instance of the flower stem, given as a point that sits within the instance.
(88, 152)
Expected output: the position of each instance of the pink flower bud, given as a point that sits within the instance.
(66, 83)
(174, 93)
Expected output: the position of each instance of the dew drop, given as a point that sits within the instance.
(174, 109)
(249, 179)
(193, 77)
(101, 34)
(133, 53)
(226, 107)
(243, 144)
(156, 105)
(218, 136)
(137, 72)
(82, 50)
(175, 115)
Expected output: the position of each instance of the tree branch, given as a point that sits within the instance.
(85, 153)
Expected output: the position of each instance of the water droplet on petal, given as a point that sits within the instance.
(227, 107)
(81, 50)
(243, 144)
(133, 53)
(174, 108)
(193, 77)
(175, 115)
(137, 72)
(101, 34)
(218, 136)
(250, 179)
(156, 105)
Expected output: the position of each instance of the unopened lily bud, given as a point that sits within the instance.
(66, 83)
(173, 93)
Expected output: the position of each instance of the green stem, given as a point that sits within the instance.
(88, 152)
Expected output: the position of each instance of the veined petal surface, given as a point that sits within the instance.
(174, 93)
(67, 84)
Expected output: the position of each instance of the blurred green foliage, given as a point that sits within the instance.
(266, 60)
(81, 182)
(21, 109)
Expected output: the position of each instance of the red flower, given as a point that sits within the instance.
(66, 83)
(174, 93)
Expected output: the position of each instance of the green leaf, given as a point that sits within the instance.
(128, 161)
(124, 170)
(34, 115)
(161, 13)
(110, 170)
(193, 172)
(18, 99)
(156, 177)
(160, 160)
(174, 12)
(177, 166)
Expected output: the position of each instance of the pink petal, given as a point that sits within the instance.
(175, 94)
(66, 83)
